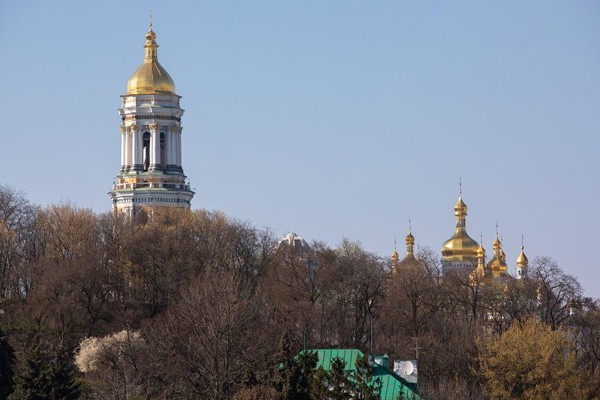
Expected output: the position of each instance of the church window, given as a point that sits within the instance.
(163, 151)
(146, 150)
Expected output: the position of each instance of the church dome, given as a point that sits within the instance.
(150, 77)
(522, 260)
(480, 251)
(293, 241)
(409, 261)
(497, 264)
(460, 246)
(395, 256)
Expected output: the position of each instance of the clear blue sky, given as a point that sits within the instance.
(329, 118)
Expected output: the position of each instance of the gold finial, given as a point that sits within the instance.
(522, 246)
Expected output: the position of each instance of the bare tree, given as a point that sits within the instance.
(202, 343)
(17, 222)
(555, 290)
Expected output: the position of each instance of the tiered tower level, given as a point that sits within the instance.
(151, 172)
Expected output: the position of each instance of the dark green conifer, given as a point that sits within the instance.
(45, 377)
(33, 381)
(338, 381)
(295, 371)
(63, 376)
(365, 387)
(319, 389)
(7, 363)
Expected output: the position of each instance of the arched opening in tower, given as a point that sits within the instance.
(146, 151)
(163, 151)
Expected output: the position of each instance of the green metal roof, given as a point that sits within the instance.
(391, 384)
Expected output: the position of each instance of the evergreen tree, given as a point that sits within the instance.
(306, 362)
(33, 381)
(295, 371)
(319, 389)
(7, 362)
(338, 381)
(286, 382)
(45, 377)
(63, 376)
(365, 387)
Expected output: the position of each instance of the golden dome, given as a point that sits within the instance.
(150, 77)
(395, 255)
(497, 264)
(480, 251)
(497, 245)
(410, 239)
(460, 246)
(460, 205)
(522, 260)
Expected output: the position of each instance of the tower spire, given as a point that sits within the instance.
(395, 256)
(522, 262)
(151, 53)
(410, 241)
(522, 247)
(480, 271)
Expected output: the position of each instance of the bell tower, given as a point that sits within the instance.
(151, 173)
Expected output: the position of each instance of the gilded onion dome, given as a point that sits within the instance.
(522, 260)
(480, 252)
(460, 246)
(150, 77)
(478, 274)
(497, 264)
(395, 256)
(410, 260)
